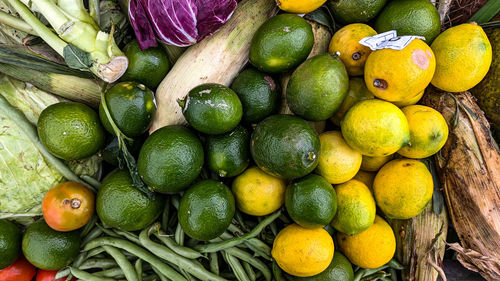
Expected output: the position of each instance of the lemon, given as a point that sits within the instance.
(338, 162)
(410, 101)
(375, 128)
(395, 75)
(463, 57)
(357, 92)
(373, 164)
(299, 6)
(303, 252)
(428, 131)
(402, 188)
(258, 193)
(346, 42)
(366, 178)
(355, 207)
(371, 248)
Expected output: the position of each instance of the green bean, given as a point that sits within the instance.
(165, 215)
(239, 218)
(236, 267)
(395, 264)
(151, 278)
(138, 268)
(218, 246)
(175, 201)
(80, 274)
(375, 276)
(277, 273)
(139, 252)
(79, 260)
(108, 231)
(93, 234)
(63, 272)
(114, 272)
(179, 235)
(394, 274)
(162, 277)
(228, 275)
(214, 263)
(122, 262)
(170, 243)
(249, 270)
(89, 226)
(260, 248)
(95, 183)
(129, 235)
(274, 228)
(192, 266)
(284, 219)
(94, 252)
(365, 272)
(187, 275)
(248, 258)
(98, 263)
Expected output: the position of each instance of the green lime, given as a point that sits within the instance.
(10, 243)
(281, 43)
(355, 11)
(49, 249)
(258, 93)
(410, 17)
(70, 130)
(206, 210)
(212, 109)
(119, 204)
(148, 67)
(318, 87)
(311, 201)
(170, 159)
(132, 107)
(340, 269)
(285, 146)
(229, 154)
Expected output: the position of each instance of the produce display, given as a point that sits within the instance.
(249, 140)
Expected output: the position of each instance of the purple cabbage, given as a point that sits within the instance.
(177, 22)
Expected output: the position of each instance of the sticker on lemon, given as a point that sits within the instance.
(299, 6)
(375, 128)
(338, 162)
(402, 188)
(395, 75)
(258, 193)
(371, 248)
(303, 252)
(428, 131)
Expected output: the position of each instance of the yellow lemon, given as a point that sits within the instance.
(395, 75)
(258, 193)
(463, 57)
(366, 178)
(402, 188)
(375, 128)
(346, 42)
(303, 252)
(410, 101)
(355, 207)
(357, 92)
(371, 248)
(373, 164)
(338, 162)
(428, 131)
(299, 6)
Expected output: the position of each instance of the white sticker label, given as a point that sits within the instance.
(388, 40)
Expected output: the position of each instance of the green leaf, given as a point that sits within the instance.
(487, 12)
(76, 58)
(322, 16)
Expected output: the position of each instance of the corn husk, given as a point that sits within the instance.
(469, 168)
(322, 37)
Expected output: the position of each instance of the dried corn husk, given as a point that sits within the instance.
(469, 168)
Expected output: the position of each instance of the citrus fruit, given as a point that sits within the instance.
(212, 109)
(375, 128)
(10, 243)
(299, 6)
(258, 193)
(301, 251)
(355, 208)
(317, 87)
(148, 67)
(170, 159)
(228, 155)
(373, 164)
(352, 11)
(68, 206)
(206, 210)
(20, 270)
(119, 204)
(371, 248)
(49, 249)
(132, 107)
(340, 269)
(311, 201)
(281, 43)
(357, 92)
(346, 42)
(285, 146)
(463, 57)
(338, 162)
(428, 131)
(410, 17)
(259, 94)
(395, 75)
(367, 178)
(409, 101)
(402, 188)
(70, 130)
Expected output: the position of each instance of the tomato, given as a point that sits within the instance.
(68, 206)
(49, 275)
(20, 270)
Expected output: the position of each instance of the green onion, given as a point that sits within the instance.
(487, 12)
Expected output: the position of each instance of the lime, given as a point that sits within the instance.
(10, 243)
(229, 154)
(353, 11)
(340, 269)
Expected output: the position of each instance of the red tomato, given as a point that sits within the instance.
(20, 270)
(49, 275)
